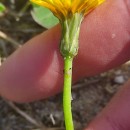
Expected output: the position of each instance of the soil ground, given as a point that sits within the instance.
(90, 95)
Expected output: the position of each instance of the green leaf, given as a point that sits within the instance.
(2, 8)
(44, 16)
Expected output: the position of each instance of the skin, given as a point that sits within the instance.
(34, 71)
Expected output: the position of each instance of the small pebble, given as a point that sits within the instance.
(119, 79)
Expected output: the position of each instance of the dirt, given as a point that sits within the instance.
(90, 95)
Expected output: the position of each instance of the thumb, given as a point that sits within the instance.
(116, 116)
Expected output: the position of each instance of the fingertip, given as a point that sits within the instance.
(33, 71)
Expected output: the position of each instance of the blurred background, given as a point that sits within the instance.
(90, 95)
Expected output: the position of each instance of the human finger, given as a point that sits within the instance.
(35, 70)
(116, 115)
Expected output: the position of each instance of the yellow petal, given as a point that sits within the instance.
(65, 8)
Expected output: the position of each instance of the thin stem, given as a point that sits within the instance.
(9, 39)
(67, 93)
(69, 49)
(25, 7)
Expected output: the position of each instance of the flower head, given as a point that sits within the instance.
(70, 14)
(66, 8)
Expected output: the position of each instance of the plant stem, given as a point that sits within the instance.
(67, 93)
(25, 7)
(69, 49)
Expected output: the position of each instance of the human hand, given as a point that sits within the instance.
(35, 70)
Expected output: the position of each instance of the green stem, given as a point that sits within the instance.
(67, 93)
(69, 49)
(25, 7)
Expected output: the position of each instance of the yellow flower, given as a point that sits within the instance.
(66, 8)
(70, 14)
